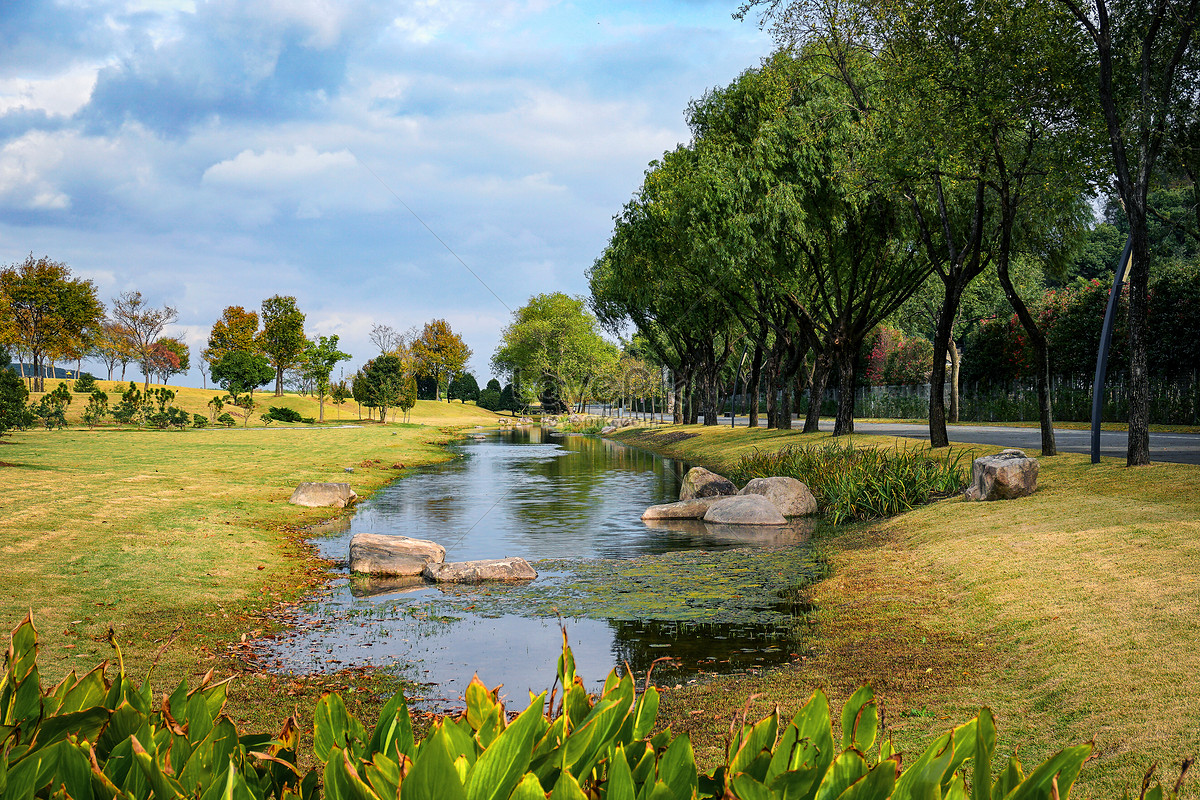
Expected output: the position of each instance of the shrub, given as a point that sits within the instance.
(89, 738)
(199, 420)
(85, 384)
(14, 413)
(853, 483)
(283, 414)
(225, 419)
(489, 399)
(97, 408)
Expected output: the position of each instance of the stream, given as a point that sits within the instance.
(714, 599)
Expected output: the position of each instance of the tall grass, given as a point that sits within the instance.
(858, 484)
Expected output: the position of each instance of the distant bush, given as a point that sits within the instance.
(199, 420)
(281, 414)
(226, 419)
(97, 408)
(853, 483)
(85, 384)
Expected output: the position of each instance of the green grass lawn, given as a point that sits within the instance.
(186, 534)
(1071, 613)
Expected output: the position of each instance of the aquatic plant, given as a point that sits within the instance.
(852, 483)
(100, 740)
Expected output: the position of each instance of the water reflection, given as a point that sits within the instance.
(516, 493)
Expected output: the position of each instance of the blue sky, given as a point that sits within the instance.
(216, 153)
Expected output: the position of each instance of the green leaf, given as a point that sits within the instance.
(530, 788)
(502, 764)
(875, 785)
(334, 726)
(646, 713)
(479, 702)
(860, 720)
(746, 788)
(394, 729)
(619, 785)
(755, 740)
(1009, 779)
(958, 789)
(164, 786)
(923, 780)
(567, 788)
(807, 742)
(433, 776)
(847, 768)
(985, 748)
(677, 768)
(85, 724)
(1063, 765)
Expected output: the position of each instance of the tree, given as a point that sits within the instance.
(383, 384)
(463, 387)
(338, 393)
(1146, 87)
(168, 357)
(144, 325)
(439, 352)
(44, 311)
(320, 357)
(408, 394)
(241, 372)
(237, 329)
(112, 345)
(282, 336)
(13, 394)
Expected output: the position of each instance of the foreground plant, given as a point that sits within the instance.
(89, 739)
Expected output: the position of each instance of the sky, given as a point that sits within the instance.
(210, 154)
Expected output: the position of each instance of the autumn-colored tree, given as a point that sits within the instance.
(170, 357)
(45, 312)
(237, 329)
(112, 345)
(282, 336)
(144, 324)
(440, 352)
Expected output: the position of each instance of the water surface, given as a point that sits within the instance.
(712, 598)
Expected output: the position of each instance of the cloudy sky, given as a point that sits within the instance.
(216, 153)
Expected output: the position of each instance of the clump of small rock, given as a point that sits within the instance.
(764, 501)
(399, 556)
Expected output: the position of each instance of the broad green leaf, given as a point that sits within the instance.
(85, 693)
(383, 775)
(501, 765)
(1065, 765)
(645, 713)
(1009, 779)
(165, 786)
(479, 702)
(677, 768)
(528, 789)
(860, 720)
(923, 780)
(85, 724)
(433, 776)
(567, 788)
(985, 748)
(875, 785)
(958, 788)
(754, 741)
(335, 726)
(842, 773)
(394, 729)
(746, 788)
(619, 785)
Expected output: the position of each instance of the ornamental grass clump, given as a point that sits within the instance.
(853, 483)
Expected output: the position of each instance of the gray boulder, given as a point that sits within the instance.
(378, 554)
(748, 509)
(790, 496)
(699, 482)
(1004, 476)
(684, 509)
(321, 495)
(608, 429)
(494, 569)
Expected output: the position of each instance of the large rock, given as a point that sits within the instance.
(748, 509)
(378, 554)
(1008, 474)
(699, 482)
(684, 509)
(495, 569)
(790, 496)
(320, 495)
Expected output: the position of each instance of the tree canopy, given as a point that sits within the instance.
(439, 353)
(282, 335)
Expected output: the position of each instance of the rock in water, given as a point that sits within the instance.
(699, 482)
(790, 496)
(1008, 474)
(748, 509)
(377, 554)
(320, 495)
(684, 509)
(495, 569)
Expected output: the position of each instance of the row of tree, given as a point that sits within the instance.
(391, 379)
(892, 142)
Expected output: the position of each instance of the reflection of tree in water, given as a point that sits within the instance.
(699, 647)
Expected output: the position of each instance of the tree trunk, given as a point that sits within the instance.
(1138, 450)
(279, 382)
(752, 385)
(938, 437)
(321, 416)
(784, 413)
(1038, 339)
(955, 368)
(816, 392)
(844, 421)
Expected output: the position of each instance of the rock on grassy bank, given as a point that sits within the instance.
(1070, 613)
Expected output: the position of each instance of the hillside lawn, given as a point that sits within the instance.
(1071, 613)
(187, 533)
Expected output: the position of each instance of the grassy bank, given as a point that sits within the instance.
(1070, 613)
(186, 534)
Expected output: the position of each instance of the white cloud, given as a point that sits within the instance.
(59, 95)
(277, 167)
(23, 167)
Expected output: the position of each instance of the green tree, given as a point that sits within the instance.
(408, 394)
(13, 394)
(463, 387)
(241, 372)
(237, 329)
(439, 353)
(45, 312)
(282, 336)
(320, 357)
(384, 383)
(339, 393)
